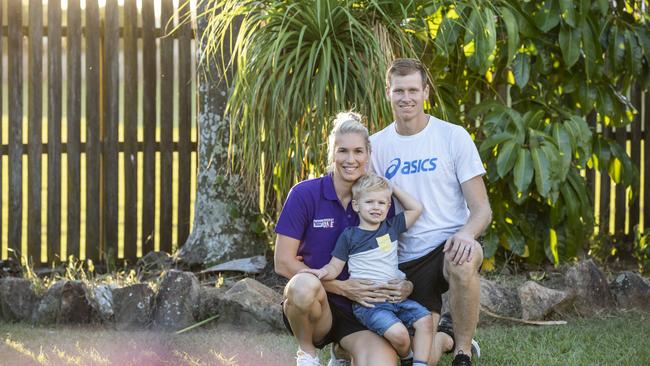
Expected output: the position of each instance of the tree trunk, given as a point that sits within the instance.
(222, 217)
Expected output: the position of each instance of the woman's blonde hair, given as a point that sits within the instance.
(345, 123)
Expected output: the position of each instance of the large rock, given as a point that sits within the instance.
(103, 301)
(47, 310)
(17, 298)
(211, 302)
(632, 291)
(10, 268)
(133, 306)
(538, 301)
(500, 300)
(76, 305)
(590, 287)
(250, 303)
(177, 300)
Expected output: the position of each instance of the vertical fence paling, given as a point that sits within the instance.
(635, 155)
(35, 128)
(110, 81)
(184, 129)
(15, 69)
(166, 127)
(93, 176)
(646, 159)
(53, 129)
(620, 198)
(130, 132)
(74, 127)
(149, 124)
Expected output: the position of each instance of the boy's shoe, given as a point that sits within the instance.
(305, 359)
(334, 361)
(461, 359)
(446, 325)
(406, 362)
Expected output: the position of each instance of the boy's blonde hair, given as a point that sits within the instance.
(370, 183)
(344, 123)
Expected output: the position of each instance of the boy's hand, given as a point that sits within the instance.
(320, 273)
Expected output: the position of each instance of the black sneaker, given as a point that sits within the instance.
(461, 359)
(446, 325)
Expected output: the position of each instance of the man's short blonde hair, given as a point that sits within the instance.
(370, 183)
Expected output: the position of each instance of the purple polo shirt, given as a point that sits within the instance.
(313, 214)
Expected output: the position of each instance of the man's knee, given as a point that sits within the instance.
(303, 290)
(466, 271)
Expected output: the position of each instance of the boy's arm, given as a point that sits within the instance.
(412, 207)
(329, 271)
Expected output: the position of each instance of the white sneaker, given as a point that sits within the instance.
(337, 361)
(305, 359)
(476, 349)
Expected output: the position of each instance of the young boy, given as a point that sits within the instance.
(371, 253)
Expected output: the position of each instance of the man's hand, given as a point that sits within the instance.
(460, 247)
(397, 290)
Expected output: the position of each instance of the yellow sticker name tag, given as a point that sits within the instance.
(384, 243)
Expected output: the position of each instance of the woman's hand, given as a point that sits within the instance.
(396, 290)
(320, 273)
(364, 292)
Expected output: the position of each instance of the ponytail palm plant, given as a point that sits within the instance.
(296, 64)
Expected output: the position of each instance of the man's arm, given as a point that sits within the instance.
(459, 247)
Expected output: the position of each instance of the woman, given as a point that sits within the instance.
(314, 214)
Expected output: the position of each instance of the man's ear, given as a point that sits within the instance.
(387, 90)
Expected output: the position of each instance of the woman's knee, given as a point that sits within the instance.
(369, 349)
(398, 336)
(303, 289)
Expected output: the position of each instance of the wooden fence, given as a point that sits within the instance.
(110, 116)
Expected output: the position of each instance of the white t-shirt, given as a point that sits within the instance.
(430, 165)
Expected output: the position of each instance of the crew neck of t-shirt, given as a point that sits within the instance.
(430, 122)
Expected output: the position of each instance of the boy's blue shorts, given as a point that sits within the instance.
(385, 314)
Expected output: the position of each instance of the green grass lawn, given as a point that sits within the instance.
(619, 340)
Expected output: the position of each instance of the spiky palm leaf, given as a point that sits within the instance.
(298, 63)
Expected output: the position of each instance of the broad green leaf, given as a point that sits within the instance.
(569, 45)
(534, 119)
(512, 30)
(506, 157)
(516, 240)
(523, 170)
(548, 16)
(490, 243)
(521, 69)
(542, 170)
(494, 140)
(591, 49)
(568, 12)
(563, 140)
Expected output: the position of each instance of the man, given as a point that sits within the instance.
(438, 163)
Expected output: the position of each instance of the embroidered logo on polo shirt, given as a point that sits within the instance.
(324, 223)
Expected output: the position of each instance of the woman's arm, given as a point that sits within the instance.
(285, 257)
(329, 271)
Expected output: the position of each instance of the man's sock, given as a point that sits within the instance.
(419, 363)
